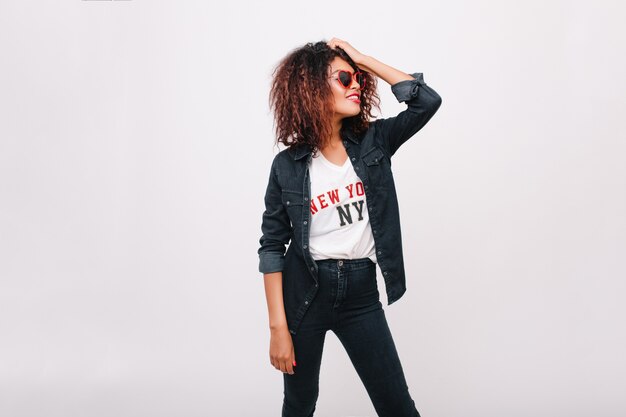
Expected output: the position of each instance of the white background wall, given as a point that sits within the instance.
(135, 143)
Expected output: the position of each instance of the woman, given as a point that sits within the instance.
(331, 198)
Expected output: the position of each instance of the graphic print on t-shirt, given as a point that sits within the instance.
(340, 226)
(348, 210)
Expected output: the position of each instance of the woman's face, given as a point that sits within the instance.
(344, 106)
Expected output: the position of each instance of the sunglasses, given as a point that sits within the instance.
(345, 78)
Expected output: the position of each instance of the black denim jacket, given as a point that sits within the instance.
(287, 216)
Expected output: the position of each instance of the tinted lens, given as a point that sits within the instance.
(360, 78)
(345, 78)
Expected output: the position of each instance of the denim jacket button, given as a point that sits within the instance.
(306, 302)
(305, 222)
(287, 202)
(379, 252)
(304, 246)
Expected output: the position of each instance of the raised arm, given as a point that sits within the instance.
(422, 103)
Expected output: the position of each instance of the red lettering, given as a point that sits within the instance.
(323, 203)
(334, 196)
(349, 188)
(359, 188)
(313, 207)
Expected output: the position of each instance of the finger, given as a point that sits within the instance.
(292, 363)
(289, 365)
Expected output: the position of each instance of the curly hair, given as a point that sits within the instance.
(302, 99)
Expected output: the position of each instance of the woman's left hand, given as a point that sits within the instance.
(355, 55)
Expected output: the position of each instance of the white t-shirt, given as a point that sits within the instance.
(340, 225)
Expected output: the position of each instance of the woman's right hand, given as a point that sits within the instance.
(282, 355)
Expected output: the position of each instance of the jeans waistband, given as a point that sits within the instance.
(345, 263)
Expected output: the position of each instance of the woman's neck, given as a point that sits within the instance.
(335, 139)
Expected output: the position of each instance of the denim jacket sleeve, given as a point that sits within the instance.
(275, 227)
(422, 101)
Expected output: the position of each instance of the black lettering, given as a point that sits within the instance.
(344, 214)
(358, 205)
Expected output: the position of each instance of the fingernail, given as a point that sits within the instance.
(294, 363)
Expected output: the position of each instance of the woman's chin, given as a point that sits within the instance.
(352, 113)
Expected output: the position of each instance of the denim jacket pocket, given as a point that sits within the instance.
(293, 201)
(292, 198)
(377, 166)
(373, 157)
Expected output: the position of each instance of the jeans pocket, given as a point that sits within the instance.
(362, 286)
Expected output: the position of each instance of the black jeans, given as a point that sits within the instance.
(348, 303)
